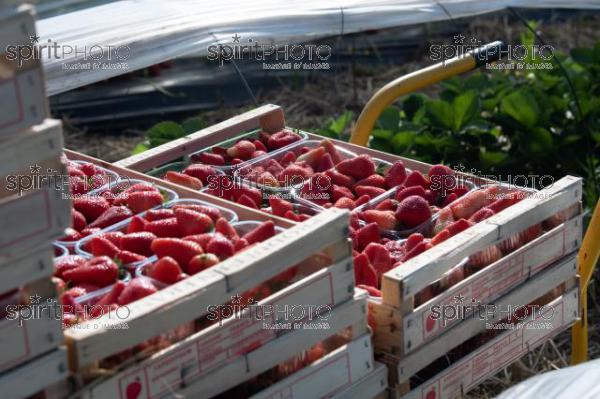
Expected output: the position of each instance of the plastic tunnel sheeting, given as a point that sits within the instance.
(92, 44)
(579, 382)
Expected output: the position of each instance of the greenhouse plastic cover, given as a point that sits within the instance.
(147, 32)
(579, 382)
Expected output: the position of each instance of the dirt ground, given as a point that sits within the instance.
(323, 98)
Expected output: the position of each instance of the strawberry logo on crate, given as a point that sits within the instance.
(132, 387)
(431, 394)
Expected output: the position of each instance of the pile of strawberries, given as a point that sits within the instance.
(415, 199)
(286, 209)
(91, 214)
(374, 255)
(85, 177)
(194, 176)
(246, 149)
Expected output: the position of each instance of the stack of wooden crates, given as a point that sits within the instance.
(33, 212)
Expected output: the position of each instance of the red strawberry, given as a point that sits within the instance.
(506, 201)
(222, 226)
(440, 237)
(281, 139)
(267, 179)
(364, 273)
(90, 169)
(141, 201)
(485, 257)
(255, 154)
(214, 213)
(408, 191)
(136, 224)
(158, 214)
(338, 192)
(325, 163)
(287, 158)
(77, 220)
(274, 167)
(372, 192)
(279, 206)
(67, 263)
(202, 262)
(340, 179)
(412, 211)
(220, 246)
(431, 197)
(219, 150)
(442, 179)
(240, 244)
(138, 243)
(251, 192)
(331, 150)
(100, 271)
(259, 145)
(113, 236)
(379, 256)
(294, 175)
(395, 175)
(126, 257)
(366, 235)
(419, 248)
(416, 178)
(88, 231)
(358, 167)
(316, 189)
(387, 204)
(460, 190)
(312, 157)
(165, 228)
(113, 215)
(91, 207)
(183, 180)
(243, 149)
(481, 214)
(260, 233)
(73, 171)
(372, 291)
(180, 250)
(102, 246)
(363, 199)
(201, 239)
(458, 226)
(444, 219)
(137, 288)
(373, 181)
(211, 159)
(192, 222)
(111, 298)
(166, 270)
(345, 203)
(413, 240)
(385, 219)
(137, 187)
(450, 199)
(291, 216)
(467, 205)
(246, 201)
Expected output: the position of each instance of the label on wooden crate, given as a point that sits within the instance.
(491, 282)
(500, 351)
(14, 343)
(218, 347)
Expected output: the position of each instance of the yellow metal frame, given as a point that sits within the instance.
(590, 248)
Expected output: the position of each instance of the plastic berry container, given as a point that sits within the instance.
(60, 250)
(110, 175)
(252, 135)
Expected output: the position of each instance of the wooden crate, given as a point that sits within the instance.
(22, 87)
(188, 300)
(371, 386)
(495, 354)
(34, 265)
(34, 375)
(37, 211)
(329, 376)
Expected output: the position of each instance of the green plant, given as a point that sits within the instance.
(166, 131)
(336, 126)
(507, 122)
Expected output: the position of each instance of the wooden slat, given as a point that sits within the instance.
(268, 117)
(371, 386)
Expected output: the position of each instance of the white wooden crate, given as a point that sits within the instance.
(329, 376)
(371, 386)
(189, 299)
(22, 87)
(182, 367)
(34, 265)
(35, 375)
(498, 353)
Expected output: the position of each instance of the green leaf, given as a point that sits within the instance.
(489, 159)
(380, 144)
(338, 125)
(412, 104)
(537, 141)
(141, 147)
(521, 106)
(440, 112)
(466, 106)
(164, 132)
(383, 134)
(389, 119)
(192, 125)
(402, 141)
(583, 55)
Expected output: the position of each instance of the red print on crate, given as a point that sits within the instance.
(134, 389)
(431, 394)
(429, 323)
